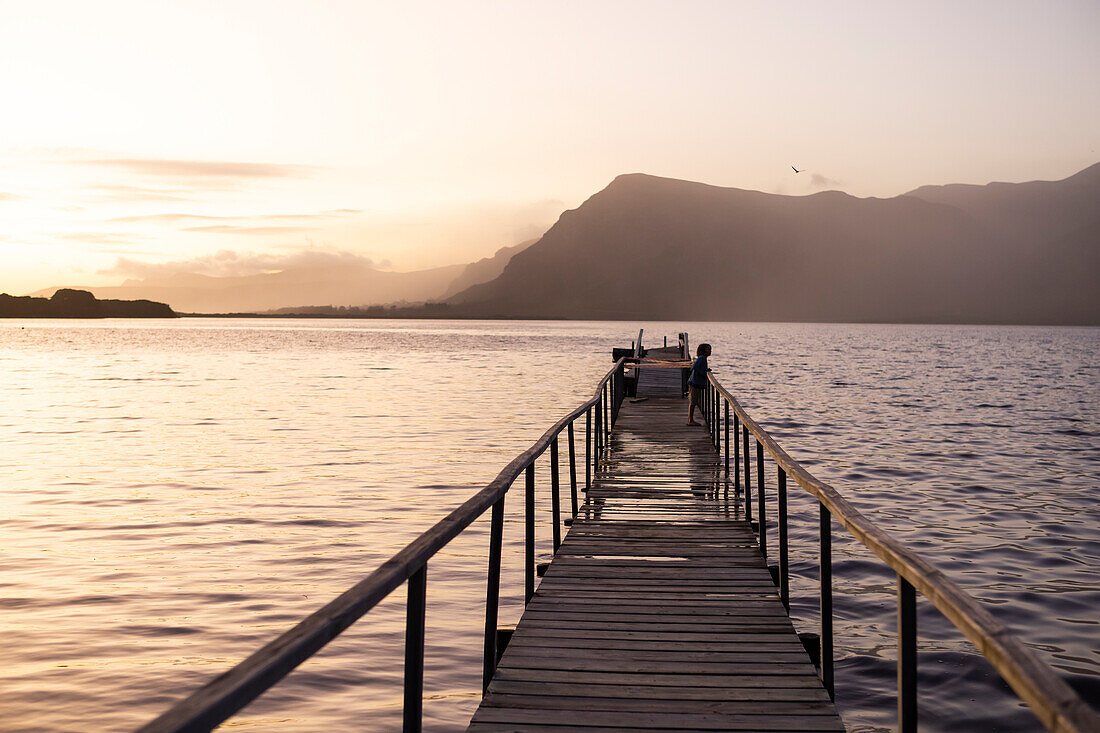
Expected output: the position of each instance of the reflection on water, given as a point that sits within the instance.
(176, 494)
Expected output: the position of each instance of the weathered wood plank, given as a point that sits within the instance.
(634, 704)
(660, 693)
(674, 721)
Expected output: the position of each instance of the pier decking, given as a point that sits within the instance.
(658, 611)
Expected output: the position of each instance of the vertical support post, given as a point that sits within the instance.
(607, 414)
(761, 516)
(414, 651)
(710, 413)
(492, 594)
(826, 576)
(714, 416)
(703, 407)
(572, 471)
(748, 475)
(907, 657)
(588, 449)
(784, 561)
(726, 423)
(598, 436)
(706, 407)
(619, 393)
(529, 535)
(736, 453)
(555, 494)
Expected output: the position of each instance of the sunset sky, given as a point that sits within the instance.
(231, 137)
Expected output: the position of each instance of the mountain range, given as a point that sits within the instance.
(336, 280)
(659, 248)
(651, 248)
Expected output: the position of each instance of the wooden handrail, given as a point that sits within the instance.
(1052, 700)
(227, 693)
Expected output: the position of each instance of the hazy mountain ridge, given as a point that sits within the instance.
(649, 247)
(485, 269)
(348, 284)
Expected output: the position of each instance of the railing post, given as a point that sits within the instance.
(572, 471)
(726, 423)
(717, 421)
(784, 562)
(763, 533)
(414, 651)
(710, 413)
(529, 535)
(619, 392)
(588, 449)
(907, 657)
(748, 474)
(555, 494)
(606, 415)
(492, 593)
(706, 407)
(736, 453)
(597, 439)
(826, 576)
(714, 417)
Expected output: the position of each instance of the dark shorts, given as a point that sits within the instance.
(695, 395)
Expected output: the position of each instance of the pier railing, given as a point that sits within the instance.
(226, 694)
(1053, 701)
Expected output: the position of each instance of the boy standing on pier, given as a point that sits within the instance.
(697, 382)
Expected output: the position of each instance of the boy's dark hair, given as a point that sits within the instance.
(703, 349)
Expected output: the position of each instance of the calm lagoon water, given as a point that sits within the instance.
(177, 493)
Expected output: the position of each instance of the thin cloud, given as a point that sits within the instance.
(173, 218)
(201, 168)
(96, 237)
(106, 192)
(167, 218)
(229, 263)
(233, 229)
(7, 196)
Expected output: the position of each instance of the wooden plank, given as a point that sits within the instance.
(662, 693)
(674, 721)
(632, 704)
(685, 680)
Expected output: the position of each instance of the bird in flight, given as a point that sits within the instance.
(796, 170)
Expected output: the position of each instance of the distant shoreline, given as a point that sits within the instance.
(624, 319)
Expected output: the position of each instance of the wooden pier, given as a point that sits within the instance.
(658, 611)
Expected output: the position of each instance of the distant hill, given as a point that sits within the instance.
(67, 303)
(659, 248)
(340, 284)
(485, 269)
(349, 282)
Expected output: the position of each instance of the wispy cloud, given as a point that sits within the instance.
(201, 168)
(96, 237)
(108, 192)
(175, 218)
(166, 218)
(250, 230)
(229, 263)
(6, 196)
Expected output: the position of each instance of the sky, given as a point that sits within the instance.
(229, 138)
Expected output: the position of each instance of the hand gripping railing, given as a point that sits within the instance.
(223, 696)
(1053, 701)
